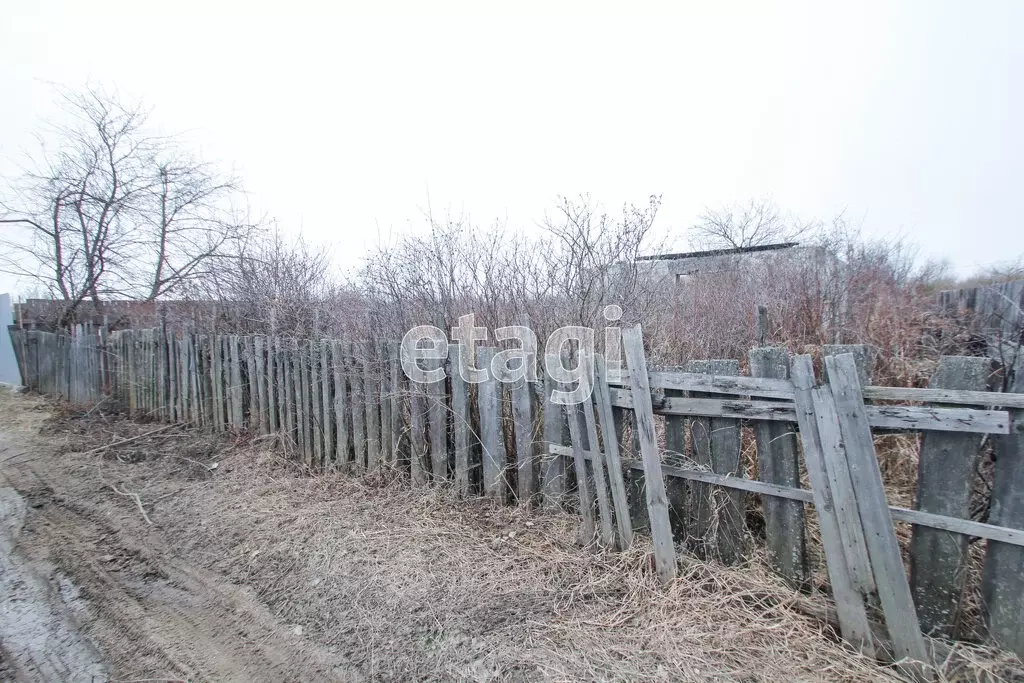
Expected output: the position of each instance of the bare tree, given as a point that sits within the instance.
(114, 210)
(756, 223)
(192, 227)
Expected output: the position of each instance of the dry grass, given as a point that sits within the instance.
(413, 584)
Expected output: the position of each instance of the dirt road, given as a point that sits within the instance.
(83, 577)
(141, 552)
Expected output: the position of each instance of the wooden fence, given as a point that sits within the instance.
(999, 307)
(655, 450)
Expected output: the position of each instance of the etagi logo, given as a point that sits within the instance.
(427, 346)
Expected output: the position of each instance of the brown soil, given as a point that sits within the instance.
(185, 556)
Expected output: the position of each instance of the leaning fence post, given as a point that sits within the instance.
(879, 533)
(657, 502)
(853, 620)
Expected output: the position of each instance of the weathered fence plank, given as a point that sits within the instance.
(526, 463)
(583, 490)
(417, 435)
(461, 424)
(717, 520)
(675, 454)
(316, 384)
(237, 392)
(355, 377)
(395, 401)
(249, 353)
(437, 415)
(371, 392)
(657, 503)
(343, 446)
(611, 453)
(260, 367)
(386, 391)
(604, 504)
(905, 418)
(552, 479)
(491, 435)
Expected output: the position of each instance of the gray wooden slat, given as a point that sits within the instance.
(604, 503)
(942, 395)
(612, 457)
(759, 387)
(437, 414)
(260, 366)
(371, 393)
(853, 620)
(710, 384)
(216, 380)
(676, 489)
(883, 548)
(285, 395)
(305, 390)
(461, 425)
(249, 352)
(327, 405)
(316, 407)
(235, 360)
(394, 367)
(837, 468)
(341, 410)
(717, 526)
(526, 463)
(946, 472)
(358, 406)
(273, 385)
(384, 400)
(777, 463)
(552, 472)
(583, 489)
(657, 503)
(301, 414)
(909, 418)
(925, 418)
(417, 433)
(491, 434)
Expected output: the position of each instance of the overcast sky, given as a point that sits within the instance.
(910, 116)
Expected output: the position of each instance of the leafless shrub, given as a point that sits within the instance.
(585, 259)
(275, 286)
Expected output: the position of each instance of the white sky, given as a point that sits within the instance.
(908, 115)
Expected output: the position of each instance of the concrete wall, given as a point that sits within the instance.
(8, 362)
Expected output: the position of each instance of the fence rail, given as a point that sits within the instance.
(658, 451)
